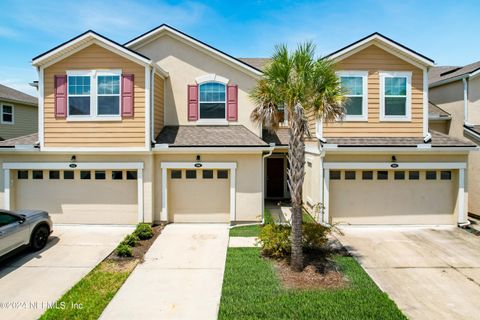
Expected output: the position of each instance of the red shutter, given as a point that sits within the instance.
(232, 102)
(192, 102)
(127, 95)
(61, 96)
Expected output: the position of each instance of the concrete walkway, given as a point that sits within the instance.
(431, 273)
(32, 281)
(181, 277)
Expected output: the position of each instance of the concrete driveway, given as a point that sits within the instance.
(431, 273)
(29, 281)
(181, 277)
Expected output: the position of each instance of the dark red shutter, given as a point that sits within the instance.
(192, 102)
(232, 102)
(127, 95)
(61, 96)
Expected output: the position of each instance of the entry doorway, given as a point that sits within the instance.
(275, 179)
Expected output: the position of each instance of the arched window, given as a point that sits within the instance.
(212, 100)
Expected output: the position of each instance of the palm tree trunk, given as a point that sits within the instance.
(296, 159)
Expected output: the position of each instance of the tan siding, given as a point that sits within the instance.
(25, 120)
(129, 132)
(374, 59)
(159, 98)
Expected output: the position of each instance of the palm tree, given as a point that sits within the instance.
(304, 86)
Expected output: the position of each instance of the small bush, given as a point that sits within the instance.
(275, 240)
(144, 231)
(124, 250)
(131, 240)
(276, 243)
(314, 235)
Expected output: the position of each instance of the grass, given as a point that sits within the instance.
(251, 290)
(90, 296)
(252, 230)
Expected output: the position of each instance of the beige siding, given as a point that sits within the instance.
(374, 59)
(184, 64)
(25, 121)
(449, 97)
(129, 132)
(158, 99)
(442, 126)
(474, 100)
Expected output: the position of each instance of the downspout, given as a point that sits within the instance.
(465, 103)
(272, 146)
(152, 106)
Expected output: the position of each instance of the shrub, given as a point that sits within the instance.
(275, 240)
(144, 231)
(131, 240)
(314, 235)
(124, 250)
(276, 243)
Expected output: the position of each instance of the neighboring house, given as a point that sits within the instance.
(159, 129)
(457, 91)
(18, 113)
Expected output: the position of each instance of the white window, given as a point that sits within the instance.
(395, 96)
(94, 95)
(7, 114)
(212, 101)
(355, 84)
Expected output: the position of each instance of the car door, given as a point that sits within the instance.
(13, 233)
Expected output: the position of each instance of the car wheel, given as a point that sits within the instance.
(39, 238)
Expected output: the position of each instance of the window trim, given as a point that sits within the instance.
(214, 121)
(13, 114)
(364, 76)
(93, 74)
(408, 101)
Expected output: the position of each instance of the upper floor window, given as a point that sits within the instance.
(7, 114)
(93, 94)
(395, 93)
(355, 84)
(212, 101)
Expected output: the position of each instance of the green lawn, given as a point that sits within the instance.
(251, 290)
(89, 297)
(250, 231)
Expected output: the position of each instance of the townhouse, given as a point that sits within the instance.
(158, 129)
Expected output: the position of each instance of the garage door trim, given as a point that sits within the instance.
(8, 166)
(461, 166)
(232, 166)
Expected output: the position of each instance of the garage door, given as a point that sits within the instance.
(79, 196)
(199, 195)
(393, 197)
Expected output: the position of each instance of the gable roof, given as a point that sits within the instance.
(12, 95)
(164, 28)
(446, 74)
(437, 113)
(29, 139)
(83, 40)
(384, 42)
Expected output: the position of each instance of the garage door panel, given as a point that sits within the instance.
(199, 199)
(393, 201)
(80, 201)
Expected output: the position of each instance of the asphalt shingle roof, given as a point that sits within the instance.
(442, 73)
(15, 95)
(30, 139)
(280, 137)
(257, 63)
(438, 140)
(209, 136)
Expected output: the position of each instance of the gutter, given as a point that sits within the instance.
(419, 148)
(165, 148)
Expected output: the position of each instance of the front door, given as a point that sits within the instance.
(275, 177)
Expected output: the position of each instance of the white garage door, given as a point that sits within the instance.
(199, 195)
(79, 196)
(393, 197)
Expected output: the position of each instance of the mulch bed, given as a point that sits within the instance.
(140, 249)
(320, 271)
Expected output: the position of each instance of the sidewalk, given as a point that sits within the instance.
(181, 277)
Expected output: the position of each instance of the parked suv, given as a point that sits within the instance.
(24, 227)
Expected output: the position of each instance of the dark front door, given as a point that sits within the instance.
(275, 174)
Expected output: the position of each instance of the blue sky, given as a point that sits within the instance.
(446, 31)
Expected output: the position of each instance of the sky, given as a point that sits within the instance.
(446, 31)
